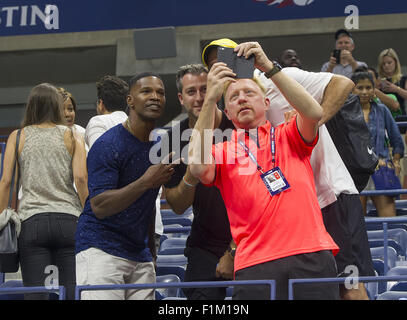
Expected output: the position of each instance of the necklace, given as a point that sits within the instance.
(129, 126)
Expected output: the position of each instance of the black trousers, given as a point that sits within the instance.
(320, 264)
(47, 253)
(202, 267)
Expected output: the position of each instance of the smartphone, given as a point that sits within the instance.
(337, 55)
(244, 68)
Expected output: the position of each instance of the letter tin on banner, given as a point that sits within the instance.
(23, 17)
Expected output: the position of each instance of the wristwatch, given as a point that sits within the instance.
(276, 68)
(232, 252)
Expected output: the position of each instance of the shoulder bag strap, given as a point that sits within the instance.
(10, 198)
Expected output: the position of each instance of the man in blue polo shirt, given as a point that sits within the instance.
(114, 230)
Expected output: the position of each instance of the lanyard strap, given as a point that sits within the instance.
(272, 147)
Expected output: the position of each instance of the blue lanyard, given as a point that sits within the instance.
(272, 147)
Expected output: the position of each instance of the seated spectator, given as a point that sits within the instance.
(289, 58)
(347, 63)
(379, 121)
(389, 69)
(50, 159)
(110, 106)
(274, 239)
(70, 113)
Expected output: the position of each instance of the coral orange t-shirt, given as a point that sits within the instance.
(267, 227)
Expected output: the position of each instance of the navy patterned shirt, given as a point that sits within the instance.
(115, 160)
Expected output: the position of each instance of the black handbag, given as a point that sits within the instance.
(351, 137)
(9, 261)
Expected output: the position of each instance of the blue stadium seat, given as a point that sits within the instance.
(162, 293)
(372, 288)
(390, 242)
(397, 285)
(174, 243)
(392, 295)
(171, 251)
(378, 253)
(399, 235)
(164, 270)
(171, 260)
(378, 265)
(183, 221)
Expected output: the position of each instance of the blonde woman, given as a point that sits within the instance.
(50, 160)
(393, 81)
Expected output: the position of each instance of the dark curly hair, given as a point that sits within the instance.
(113, 92)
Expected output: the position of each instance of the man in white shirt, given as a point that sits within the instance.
(347, 63)
(111, 104)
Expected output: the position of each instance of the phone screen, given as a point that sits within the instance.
(244, 68)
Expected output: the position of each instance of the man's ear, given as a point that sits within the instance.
(180, 99)
(227, 113)
(267, 103)
(129, 100)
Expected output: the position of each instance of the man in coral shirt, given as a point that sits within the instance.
(266, 181)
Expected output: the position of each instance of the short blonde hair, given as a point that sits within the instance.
(392, 54)
(255, 79)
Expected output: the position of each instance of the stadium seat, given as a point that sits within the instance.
(171, 251)
(378, 265)
(171, 260)
(378, 253)
(174, 243)
(164, 270)
(372, 288)
(176, 231)
(392, 295)
(183, 221)
(167, 292)
(399, 235)
(397, 285)
(390, 242)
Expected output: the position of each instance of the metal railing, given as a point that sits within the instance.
(385, 223)
(192, 284)
(350, 280)
(16, 290)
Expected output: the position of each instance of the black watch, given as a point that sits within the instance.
(276, 68)
(232, 252)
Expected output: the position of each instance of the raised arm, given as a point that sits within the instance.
(201, 162)
(310, 112)
(336, 92)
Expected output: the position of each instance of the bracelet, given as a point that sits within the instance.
(188, 184)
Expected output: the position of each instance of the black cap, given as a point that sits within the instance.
(342, 31)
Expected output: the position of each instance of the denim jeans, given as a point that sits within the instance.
(47, 252)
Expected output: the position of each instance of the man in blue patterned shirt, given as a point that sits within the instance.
(116, 225)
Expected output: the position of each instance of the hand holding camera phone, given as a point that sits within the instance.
(337, 55)
(242, 67)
